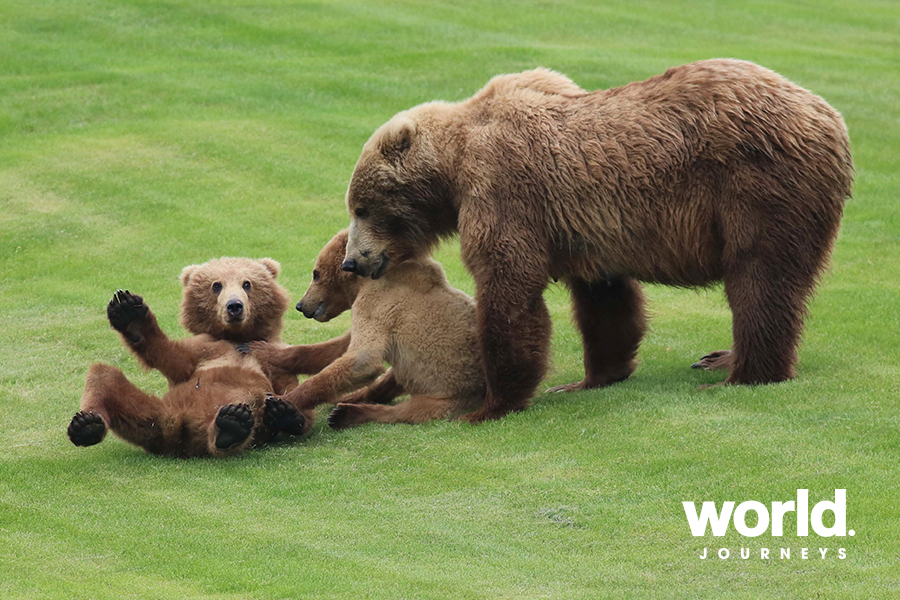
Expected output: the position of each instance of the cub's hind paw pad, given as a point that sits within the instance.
(283, 416)
(124, 309)
(86, 429)
(235, 423)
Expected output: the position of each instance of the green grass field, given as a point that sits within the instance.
(138, 136)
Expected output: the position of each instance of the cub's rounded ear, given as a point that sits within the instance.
(398, 136)
(272, 265)
(187, 272)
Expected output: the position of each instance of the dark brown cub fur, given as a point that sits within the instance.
(220, 401)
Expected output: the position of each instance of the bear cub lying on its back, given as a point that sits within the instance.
(220, 401)
(410, 318)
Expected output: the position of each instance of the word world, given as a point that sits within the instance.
(717, 520)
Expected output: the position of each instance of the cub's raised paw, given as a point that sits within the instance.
(86, 429)
(235, 422)
(124, 309)
(283, 416)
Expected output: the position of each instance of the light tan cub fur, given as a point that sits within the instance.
(411, 319)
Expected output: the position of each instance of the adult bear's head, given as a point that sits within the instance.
(400, 197)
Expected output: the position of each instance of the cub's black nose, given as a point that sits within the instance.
(300, 306)
(349, 265)
(235, 308)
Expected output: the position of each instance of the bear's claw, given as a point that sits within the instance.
(86, 429)
(235, 423)
(124, 309)
(283, 416)
(719, 360)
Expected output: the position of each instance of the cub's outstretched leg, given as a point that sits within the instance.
(306, 359)
(610, 315)
(355, 369)
(110, 401)
(131, 317)
(381, 392)
(418, 409)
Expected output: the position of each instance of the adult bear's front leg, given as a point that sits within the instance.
(515, 341)
(610, 315)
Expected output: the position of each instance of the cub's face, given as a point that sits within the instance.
(234, 299)
(399, 202)
(332, 290)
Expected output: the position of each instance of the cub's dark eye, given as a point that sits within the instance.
(217, 287)
(362, 213)
(315, 275)
(246, 286)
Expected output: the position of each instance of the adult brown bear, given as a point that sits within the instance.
(716, 170)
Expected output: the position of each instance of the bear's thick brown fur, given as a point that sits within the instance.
(220, 401)
(716, 170)
(412, 319)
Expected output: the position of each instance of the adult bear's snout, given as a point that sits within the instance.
(349, 265)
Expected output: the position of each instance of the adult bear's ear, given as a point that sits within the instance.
(398, 137)
(272, 265)
(186, 273)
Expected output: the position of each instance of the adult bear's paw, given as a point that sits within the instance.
(590, 384)
(283, 416)
(124, 310)
(86, 429)
(714, 361)
(235, 422)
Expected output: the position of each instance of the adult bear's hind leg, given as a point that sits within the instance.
(610, 315)
(767, 311)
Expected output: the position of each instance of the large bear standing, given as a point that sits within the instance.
(716, 170)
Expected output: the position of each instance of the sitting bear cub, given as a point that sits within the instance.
(410, 318)
(220, 401)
